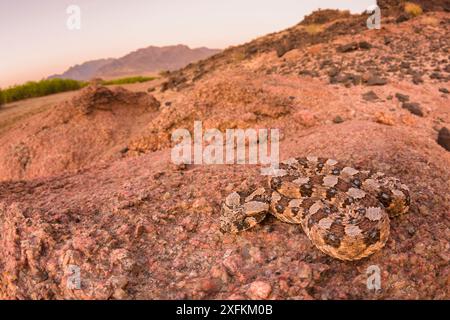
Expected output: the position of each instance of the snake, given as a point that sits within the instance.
(345, 212)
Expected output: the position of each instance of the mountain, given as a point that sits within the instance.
(83, 71)
(141, 61)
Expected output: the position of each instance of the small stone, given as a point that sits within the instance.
(417, 79)
(333, 72)
(402, 18)
(348, 47)
(209, 285)
(202, 205)
(376, 81)
(436, 76)
(364, 45)
(444, 90)
(405, 65)
(158, 175)
(180, 167)
(232, 264)
(444, 138)
(305, 118)
(370, 96)
(168, 103)
(402, 97)
(259, 290)
(420, 248)
(338, 120)
(414, 108)
(120, 294)
(119, 282)
(411, 230)
(304, 271)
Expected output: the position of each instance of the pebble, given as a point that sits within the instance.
(124, 150)
(232, 264)
(338, 120)
(444, 138)
(305, 118)
(414, 108)
(259, 290)
(304, 271)
(402, 97)
(120, 294)
(370, 96)
(411, 230)
(202, 205)
(376, 81)
(417, 79)
(420, 249)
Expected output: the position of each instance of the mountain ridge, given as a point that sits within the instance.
(144, 60)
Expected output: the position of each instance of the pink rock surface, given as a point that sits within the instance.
(139, 227)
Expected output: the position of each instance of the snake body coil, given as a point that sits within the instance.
(343, 211)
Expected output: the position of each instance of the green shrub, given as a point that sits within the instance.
(41, 88)
(2, 99)
(128, 80)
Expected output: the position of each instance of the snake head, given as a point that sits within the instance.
(395, 197)
(242, 211)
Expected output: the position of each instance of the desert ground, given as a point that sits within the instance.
(86, 177)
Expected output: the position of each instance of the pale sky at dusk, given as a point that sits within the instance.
(35, 41)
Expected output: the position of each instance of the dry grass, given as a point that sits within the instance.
(238, 56)
(314, 28)
(413, 9)
(430, 21)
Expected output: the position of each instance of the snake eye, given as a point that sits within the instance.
(385, 199)
(279, 208)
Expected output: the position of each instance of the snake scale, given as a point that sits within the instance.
(344, 212)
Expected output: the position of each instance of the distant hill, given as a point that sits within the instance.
(141, 61)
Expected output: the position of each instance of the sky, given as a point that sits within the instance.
(36, 42)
